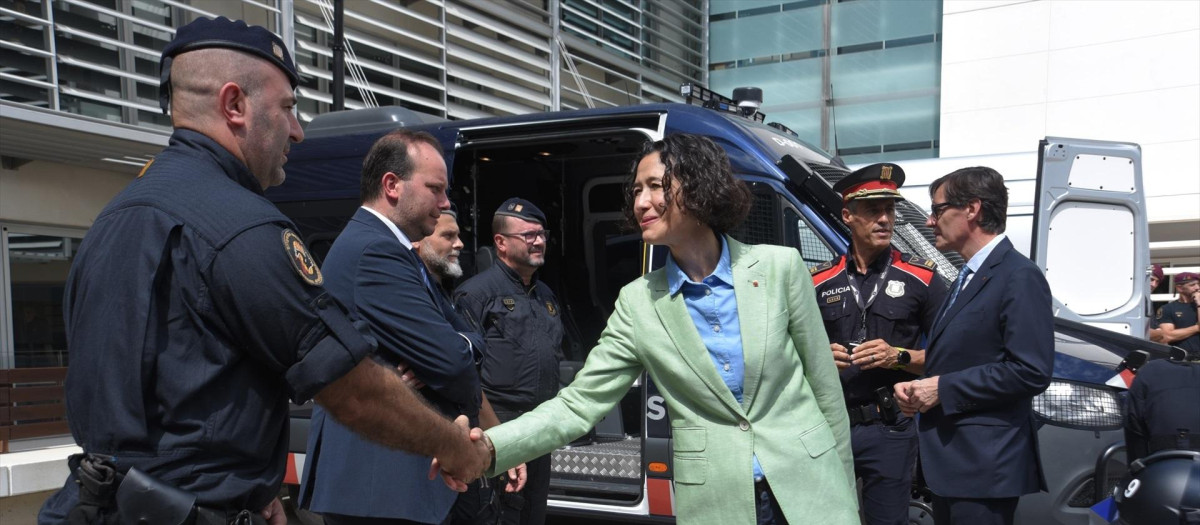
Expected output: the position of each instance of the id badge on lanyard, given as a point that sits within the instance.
(860, 333)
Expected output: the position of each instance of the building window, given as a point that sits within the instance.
(861, 78)
(36, 262)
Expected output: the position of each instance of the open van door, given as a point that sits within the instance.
(1090, 233)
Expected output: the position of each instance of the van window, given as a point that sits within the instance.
(772, 220)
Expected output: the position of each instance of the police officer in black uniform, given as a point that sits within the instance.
(194, 312)
(1164, 407)
(519, 318)
(1163, 410)
(876, 304)
(1177, 319)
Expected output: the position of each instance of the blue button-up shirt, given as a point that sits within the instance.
(713, 308)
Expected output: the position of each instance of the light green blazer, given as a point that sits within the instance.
(793, 416)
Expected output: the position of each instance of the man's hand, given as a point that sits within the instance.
(875, 353)
(274, 513)
(514, 480)
(841, 357)
(409, 378)
(464, 460)
(917, 396)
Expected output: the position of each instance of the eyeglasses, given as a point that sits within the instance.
(530, 237)
(937, 210)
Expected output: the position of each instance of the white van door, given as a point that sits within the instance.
(1090, 232)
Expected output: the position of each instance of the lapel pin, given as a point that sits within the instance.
(755, 283)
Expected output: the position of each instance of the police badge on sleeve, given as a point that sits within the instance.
(301, 260)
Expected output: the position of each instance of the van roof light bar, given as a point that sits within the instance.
(697, 95)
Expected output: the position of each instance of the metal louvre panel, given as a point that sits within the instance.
(355, 19)
(508, 52)
(498, 26)
(533, 18)
(498, 65)
(122, 16)
(485, 79)
(381, 90)
(365, 64)
(459, 111)
(488, 100)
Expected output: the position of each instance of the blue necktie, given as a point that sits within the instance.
(959, 284)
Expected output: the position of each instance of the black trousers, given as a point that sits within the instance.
(766, 508)
(974, 511)
(338, 519)
(527, 507)
(884, 457)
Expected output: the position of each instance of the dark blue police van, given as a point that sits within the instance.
(574, 164)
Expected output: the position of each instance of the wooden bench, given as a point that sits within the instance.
(32, 404)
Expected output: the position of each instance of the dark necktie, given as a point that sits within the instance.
(959, 284)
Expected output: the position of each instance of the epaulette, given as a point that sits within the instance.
(820, 267)
(826, 270)
(917, 260)
(919, 267)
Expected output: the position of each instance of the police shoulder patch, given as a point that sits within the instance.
(916, 260)
(301, 260)
(820, 267)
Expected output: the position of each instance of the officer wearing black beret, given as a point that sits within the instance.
(1178, 319)
(519, 318)
(876, 302)
(195, 312)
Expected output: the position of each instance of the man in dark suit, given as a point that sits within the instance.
(991, 350)
(373, 270)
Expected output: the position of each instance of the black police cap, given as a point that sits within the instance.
(877, 181)
(522, 209)
(204, 33)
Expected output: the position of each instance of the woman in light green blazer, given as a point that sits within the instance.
(783, 418)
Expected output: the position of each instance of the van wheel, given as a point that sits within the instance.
(919, 513)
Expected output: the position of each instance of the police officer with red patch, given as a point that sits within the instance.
(877, 304)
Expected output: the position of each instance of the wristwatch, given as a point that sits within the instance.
(903, 358)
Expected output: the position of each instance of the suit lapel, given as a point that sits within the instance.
(673, 314)
(750, 289)
(978, 281)
(375, 224)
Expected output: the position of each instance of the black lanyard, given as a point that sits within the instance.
(861, 334)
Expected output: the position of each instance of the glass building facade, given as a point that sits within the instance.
(861, 77)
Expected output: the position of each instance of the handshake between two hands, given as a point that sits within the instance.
(467, 459)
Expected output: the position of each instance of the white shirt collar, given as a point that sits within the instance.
(391, 226)
(983, 253)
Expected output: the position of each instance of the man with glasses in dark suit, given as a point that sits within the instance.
(991, 350)
(520, 320)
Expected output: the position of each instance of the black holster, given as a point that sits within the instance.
(144, 499)
(889, 411)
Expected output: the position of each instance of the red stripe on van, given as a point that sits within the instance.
(662, 498)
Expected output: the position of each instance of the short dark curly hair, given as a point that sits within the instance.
(707, 188)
